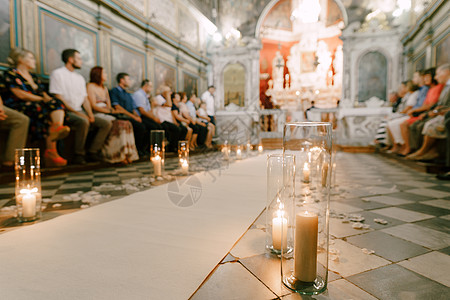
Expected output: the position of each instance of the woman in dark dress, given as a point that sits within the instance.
(27, 96)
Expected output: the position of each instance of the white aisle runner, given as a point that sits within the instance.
(138, 247)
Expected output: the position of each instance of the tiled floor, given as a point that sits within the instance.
(411, 259)
(411, 252)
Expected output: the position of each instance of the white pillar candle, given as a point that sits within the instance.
(238, 154)
(225, 153)
(306, 172)
(305, 249)
(157, 165)
(28, 205)
(185, 167)
(279, 230)
(260, 148)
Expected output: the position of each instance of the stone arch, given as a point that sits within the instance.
(272, 3)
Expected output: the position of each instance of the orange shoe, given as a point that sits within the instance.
(58, 132)
(52, 159)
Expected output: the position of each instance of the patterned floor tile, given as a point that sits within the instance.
(426, 209)
(438, 224)
(416, 183)
(410, 196)
(352, 260)
(442, 203)
(420, 235)
(233, 281)
(396, 282)
(429, 193)
(387, 246)
(251, 244)
(402, 214)
(434, 265)
(388, 200)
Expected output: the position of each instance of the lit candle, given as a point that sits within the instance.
(185, 167)
(157, 165)
(249, 147)
(28, 203)
(306, 172)
(279, 230)
(225, 152)
(238, 153)
(324, 173)
(305, 251)
(260, 148)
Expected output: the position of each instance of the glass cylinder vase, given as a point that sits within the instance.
(280, 193)
(183, 156)
(239, 150)
(157, 152)
(28, 184)
(305, 269)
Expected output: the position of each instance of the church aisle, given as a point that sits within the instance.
(410, 258)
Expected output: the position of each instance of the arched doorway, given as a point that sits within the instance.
(301, 58)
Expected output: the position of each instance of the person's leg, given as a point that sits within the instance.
(404, 127)
(173, 134)
(104, 124)
(81, 127)
(415, 134)
(213, 120)
(140, 136)
(17, 124)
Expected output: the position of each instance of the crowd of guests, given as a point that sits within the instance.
(120, 120)
(421, 117)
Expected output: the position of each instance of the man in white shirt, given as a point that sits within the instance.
(208, 98)
(70, 87)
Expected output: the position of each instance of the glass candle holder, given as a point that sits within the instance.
(248, 147)
(226, 150)
(280, 193)
(305, 269)
(157, 152)
(28, 184)
(183, 156)
(260, 148)
(239, 151)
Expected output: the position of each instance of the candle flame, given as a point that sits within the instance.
(306, 166)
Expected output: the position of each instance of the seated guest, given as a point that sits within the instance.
(17, 125)
(415, 100)
(208, 98)
(163, 108)
(184, 110)
(434, 127)
(191, 105)
(119, 145)
(183, 123)
(27, 96)
(123, 103)
(203, 117)
(70, 87)
(143, 106)
(430, 100)
(446, 176)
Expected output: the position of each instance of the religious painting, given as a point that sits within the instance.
(59, 34)
(188, 29)
(163, 13)
(165, 74)
(190, 84)
(5, 31)
(308, 62)
(420, 63)
(372, 78)
(279, 16)
(442, 55)
(127, 60)
(234, 84)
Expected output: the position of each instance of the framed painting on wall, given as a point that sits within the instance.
(308, 60)
(57, 34)
(441, 51)
(127, 60)
(234, 84)
(165, 74)
(372, 76)
(190, 84)
(5, 30)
